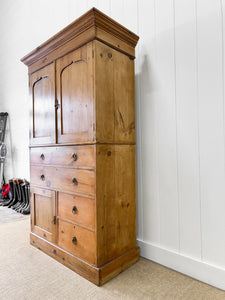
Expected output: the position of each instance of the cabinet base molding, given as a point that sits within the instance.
(96, 275)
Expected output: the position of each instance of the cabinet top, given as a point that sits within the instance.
(92, 25)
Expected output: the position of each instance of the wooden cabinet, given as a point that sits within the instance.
(82, 147)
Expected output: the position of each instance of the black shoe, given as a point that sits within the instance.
(19, 196)
(26, 211)
(16, 193)
(23, 196)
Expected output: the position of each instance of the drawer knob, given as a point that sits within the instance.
(74, 240)
(74, 181)
(74, 156)
(42, 177)
(74, 210)
(42, 156)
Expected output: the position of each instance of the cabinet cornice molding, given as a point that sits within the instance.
(90, 26)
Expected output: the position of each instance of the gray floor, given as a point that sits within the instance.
(8, 215)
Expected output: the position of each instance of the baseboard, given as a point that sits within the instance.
(197, 269)
(97, 275)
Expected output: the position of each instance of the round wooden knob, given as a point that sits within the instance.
(42, 156)
(42, 177)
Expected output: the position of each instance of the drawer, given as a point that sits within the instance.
(76, 240)
(69, 156)
(63, 179)
(77, 209)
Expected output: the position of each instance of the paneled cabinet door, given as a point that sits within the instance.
(42, 89)
(74, 80)
(43, 213)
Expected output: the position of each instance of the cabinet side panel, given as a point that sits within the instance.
(115, 200)
(104, 98)
(114, 95)
(124, 106)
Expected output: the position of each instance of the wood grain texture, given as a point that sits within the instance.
(77, 209)
(115, 201)
(74, 79)
(43, 211)
(114, 96)
(124, 107)
(83, 245)
(42, 105)
(118, 265)
(71, 45)
(92, 19)
(104, 92)
(96, 275)
(61, 179)
(69, 156)
(71, 261)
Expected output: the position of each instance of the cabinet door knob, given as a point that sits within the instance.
(42, 156)
(74, 181)
(75, 156)
(74, 210)
(42, 177)
(74, 240)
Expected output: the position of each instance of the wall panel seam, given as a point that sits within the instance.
(176, 121)
(198, 133)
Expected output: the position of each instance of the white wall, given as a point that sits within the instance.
(180, 117)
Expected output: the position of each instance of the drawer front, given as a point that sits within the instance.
(69, 156)
(76, 240)
(77, 209)
(63, 179)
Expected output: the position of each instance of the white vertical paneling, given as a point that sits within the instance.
(47, 18)
(76, 9)
(148, 162)
(138, 138)
(117, 10)
(166, 125)
(187, 127)
(211, 125)
(91, 3)
(131, 9)
(104, 6)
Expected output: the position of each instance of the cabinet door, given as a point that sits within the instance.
(74, 76)
(43, 213)
(42, 89)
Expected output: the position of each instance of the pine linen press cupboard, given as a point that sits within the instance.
(82, 147)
